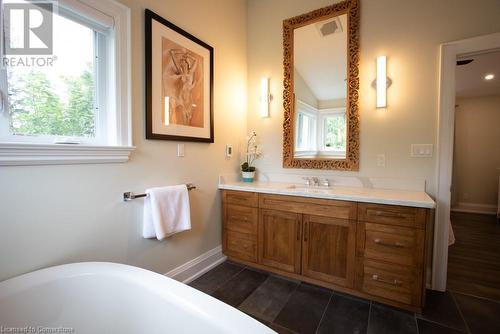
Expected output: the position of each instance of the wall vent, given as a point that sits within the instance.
(329, 27)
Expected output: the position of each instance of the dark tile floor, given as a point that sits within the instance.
(289, 306)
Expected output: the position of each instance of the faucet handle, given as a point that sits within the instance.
(308, 180)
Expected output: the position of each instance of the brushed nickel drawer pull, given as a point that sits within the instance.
(238, 198)
(393, 282)
(388, 214)
(239, 218)
(387, 244)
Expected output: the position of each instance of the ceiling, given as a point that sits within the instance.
(470, 80)
(322, 60)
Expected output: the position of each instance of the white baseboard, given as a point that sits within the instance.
(487, 209)
(196, 267)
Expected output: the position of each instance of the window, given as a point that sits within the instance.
(334, 132)
(320, 131)
(59, 103)
(73, 99)
(306, 127)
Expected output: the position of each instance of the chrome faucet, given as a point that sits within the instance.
(311, 181)
(315, 181)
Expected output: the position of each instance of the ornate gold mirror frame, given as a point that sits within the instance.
(351, 161)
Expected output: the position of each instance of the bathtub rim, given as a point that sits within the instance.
(203, 305)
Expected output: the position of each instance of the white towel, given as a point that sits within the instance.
(166, 212)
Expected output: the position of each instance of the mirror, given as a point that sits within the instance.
(320, 89)
(321, 84)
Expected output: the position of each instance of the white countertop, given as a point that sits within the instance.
(356, 194)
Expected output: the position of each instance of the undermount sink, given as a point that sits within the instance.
(311, 189)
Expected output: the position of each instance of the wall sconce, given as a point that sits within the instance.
(265, 97)
(382, 82)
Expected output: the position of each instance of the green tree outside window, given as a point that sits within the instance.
(37, 109)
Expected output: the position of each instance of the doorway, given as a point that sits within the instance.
(474, 257)
(449, 54)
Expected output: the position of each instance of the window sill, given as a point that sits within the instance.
(20, 154)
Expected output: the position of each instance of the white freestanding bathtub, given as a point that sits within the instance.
(98, 297)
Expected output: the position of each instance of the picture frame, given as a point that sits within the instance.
(179, 83)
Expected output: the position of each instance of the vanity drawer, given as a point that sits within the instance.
(392, 215)
(393, 282)
(240, 198)
(312, 206)
(394, 244)
(240, 245)
(241, 218)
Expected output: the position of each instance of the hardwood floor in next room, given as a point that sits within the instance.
(474, 259)
(289, 306)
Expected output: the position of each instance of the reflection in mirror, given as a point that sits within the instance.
(320, 88)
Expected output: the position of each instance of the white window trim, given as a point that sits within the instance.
(16, 154)
(311, 111)
(22, 153)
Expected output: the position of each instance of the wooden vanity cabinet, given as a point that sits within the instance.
(325, 233)
(370, 250)
(328, 249)
(391, 252)
(239, 225)
(280, 240)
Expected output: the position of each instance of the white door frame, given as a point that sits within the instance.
(446, 123)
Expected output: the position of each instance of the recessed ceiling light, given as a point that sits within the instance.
(489, 76)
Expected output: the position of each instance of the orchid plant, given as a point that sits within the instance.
(253, 152)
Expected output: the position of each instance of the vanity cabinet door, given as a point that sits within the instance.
(279, 240)
(329, 249)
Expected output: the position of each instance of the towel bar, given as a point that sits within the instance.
(128, 196)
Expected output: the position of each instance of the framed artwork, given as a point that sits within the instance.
(179, 83)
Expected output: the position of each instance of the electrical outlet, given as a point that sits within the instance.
(381, 160)
(421, 150)
(180, 150)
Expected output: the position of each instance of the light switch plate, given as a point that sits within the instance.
(381, 160)
(421, 150)
(229, 151)
(180, 150)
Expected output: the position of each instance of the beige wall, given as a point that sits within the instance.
(334, 103)
(477, 150)
(303, 92)
(409, 33)
(57, 214)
